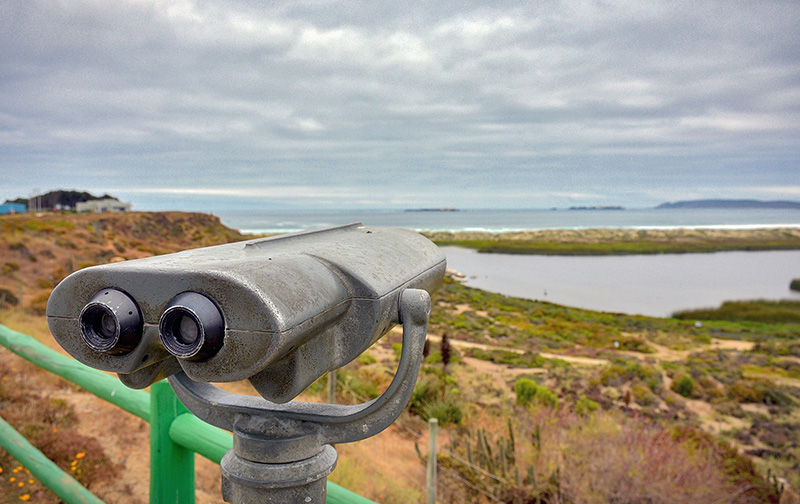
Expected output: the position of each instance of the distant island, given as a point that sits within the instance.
(443, 209)
(603, 207)
(729, 203)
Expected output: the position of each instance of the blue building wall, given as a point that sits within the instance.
(9, 208)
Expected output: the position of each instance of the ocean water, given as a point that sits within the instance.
(283, 221)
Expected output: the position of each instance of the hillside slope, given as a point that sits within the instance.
(38, 250)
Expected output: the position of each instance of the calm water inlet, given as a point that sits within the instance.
(655, 285)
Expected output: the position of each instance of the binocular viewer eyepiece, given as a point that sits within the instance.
(278, 311)
(191, 327)
(111, 322)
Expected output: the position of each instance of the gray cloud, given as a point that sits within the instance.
(360, 103)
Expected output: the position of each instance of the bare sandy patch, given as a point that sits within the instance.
(574, 359)
(462, 308)
(741, 346)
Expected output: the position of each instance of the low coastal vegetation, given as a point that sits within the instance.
(622, 241)
(771, 312)
(537, 403)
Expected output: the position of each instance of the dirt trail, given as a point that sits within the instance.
(780, 380)
(469, 344)
(664, 354)
(742, 346)
(587, 361)
(574, 359)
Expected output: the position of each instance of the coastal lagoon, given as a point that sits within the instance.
(655, 285)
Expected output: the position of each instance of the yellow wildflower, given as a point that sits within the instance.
(80, 455)
(24, 497)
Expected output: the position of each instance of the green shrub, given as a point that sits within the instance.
(525, 389)
(730, 408)
(528, 390)
(758, 391)
(366, 359)
(584, 406)
(8, 298)
(361, 387)
(795, 284)
(65, 243)
(434, 358)
(38, 304)
(426, 391)
(434, 396)
(636, 345)
(683, 386)
(509, 358)
(10, 267)
(643, 395)
(743, 391)
(44, 283)
(447, 411)
(622, 371)
(748, 311)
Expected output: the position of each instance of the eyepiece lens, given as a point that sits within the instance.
(111, 322)
(192, 327)
(107, 327)
(186, 330)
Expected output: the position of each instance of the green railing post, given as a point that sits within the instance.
(171, 465)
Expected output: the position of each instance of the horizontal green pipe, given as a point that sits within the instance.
(190, 432)
(340, 495)
(62, 484)
(98, 383)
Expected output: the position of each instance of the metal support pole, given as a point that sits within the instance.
(171, 465)
(332, 386)
(433, 427)
(246, 481)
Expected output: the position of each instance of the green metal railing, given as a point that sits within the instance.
(175, 433)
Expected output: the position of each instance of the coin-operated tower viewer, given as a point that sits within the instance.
(278, 312)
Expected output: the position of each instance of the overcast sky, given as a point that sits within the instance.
(210, 105)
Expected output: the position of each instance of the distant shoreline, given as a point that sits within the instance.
(631, 241)
(508, 231)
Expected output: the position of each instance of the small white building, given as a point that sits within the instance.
(103, 205)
